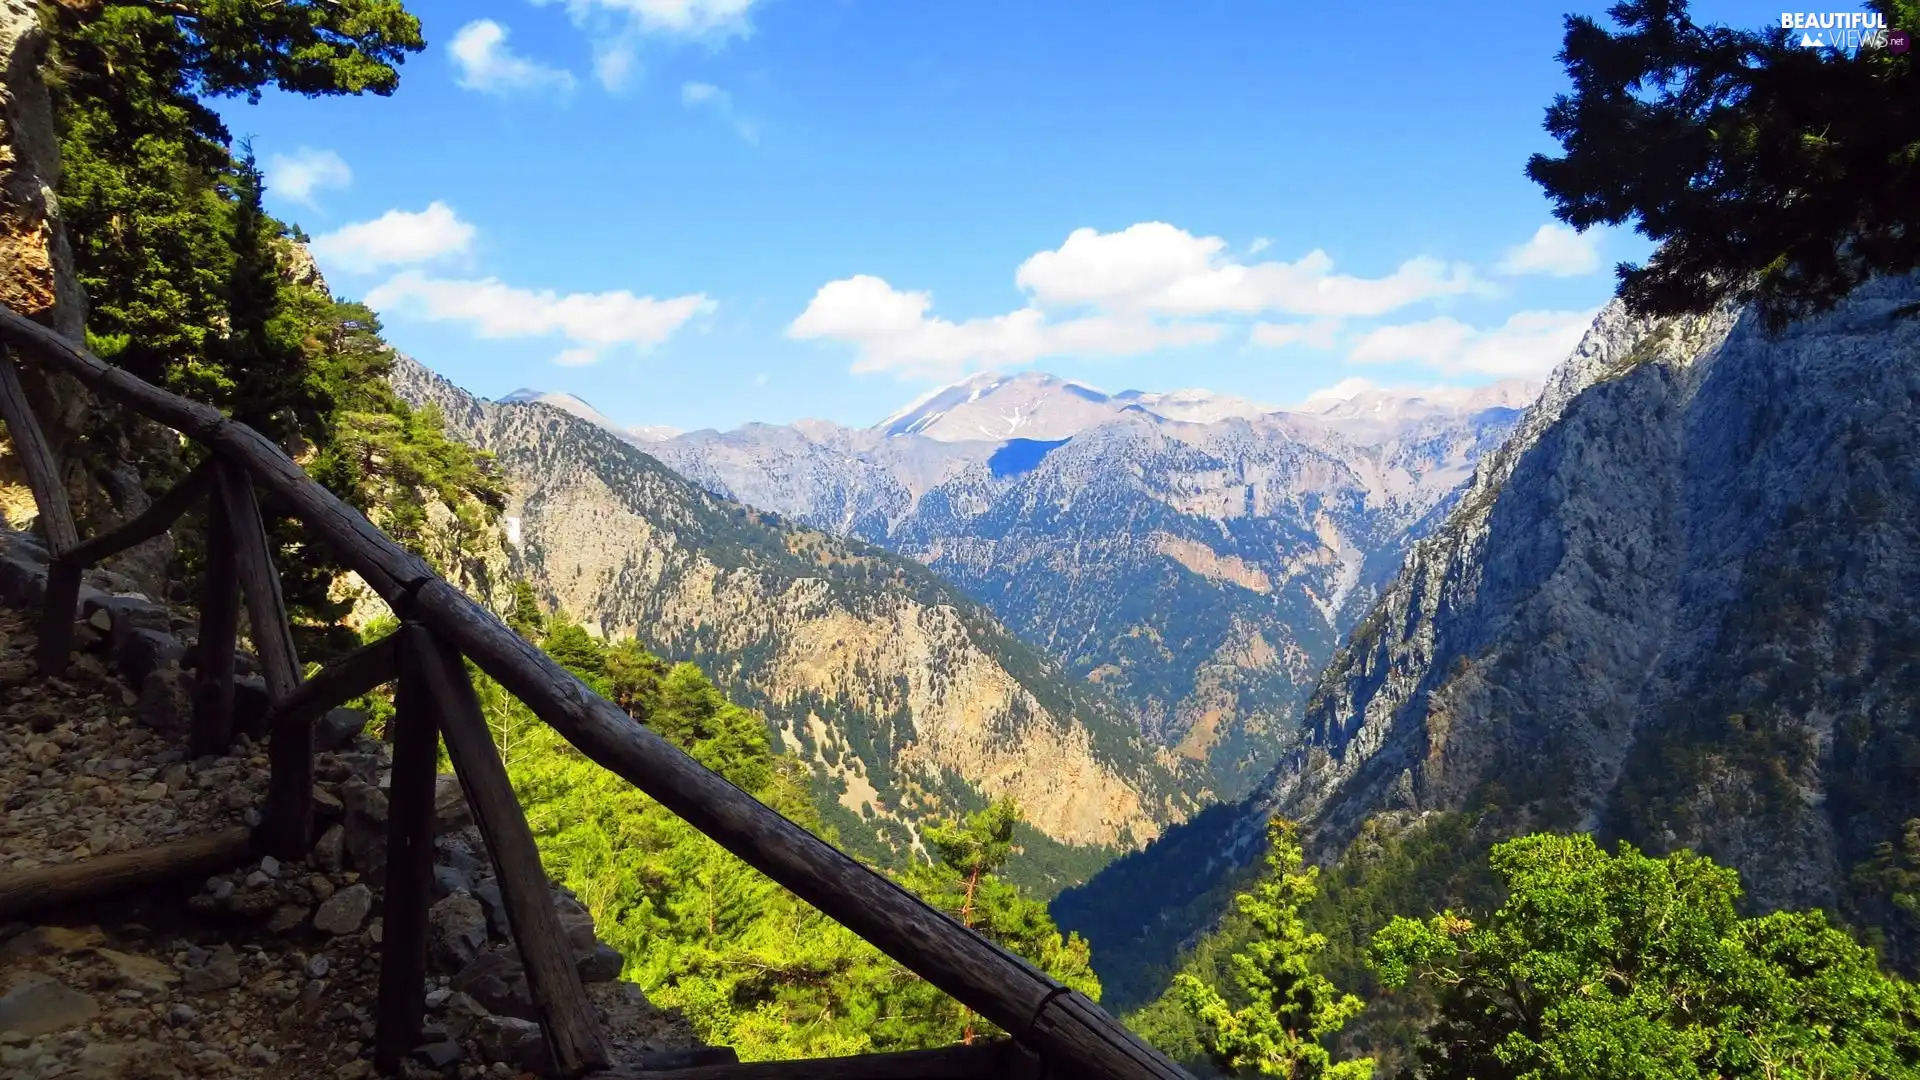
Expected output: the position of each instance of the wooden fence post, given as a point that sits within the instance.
(212, 731)
(289, 813)
(572, 1031)
(409, 877)
(56, 518)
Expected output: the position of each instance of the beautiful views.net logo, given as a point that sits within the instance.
(1848, 30)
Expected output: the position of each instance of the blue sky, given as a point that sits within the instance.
(705, 212)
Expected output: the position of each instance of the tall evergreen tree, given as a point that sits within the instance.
(963, 879)
(1288, 1008)
(1765, 169)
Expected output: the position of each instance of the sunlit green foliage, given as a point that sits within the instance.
(751, 965)
(1282, 1009)
(1623, 965)
(191, 285)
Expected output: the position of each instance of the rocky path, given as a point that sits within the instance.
(268, 970)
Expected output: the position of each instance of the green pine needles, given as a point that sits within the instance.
(1289, 1006)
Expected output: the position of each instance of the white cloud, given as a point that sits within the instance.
(894, 332)
(395, 238)
(298, 175)
(1318, 334)
(1528, 344)
(1156, 267)
(485, 63)
(1260, 244)
(1345, 390)
(677, 18)
(699, 95)
(618, 28)
(591, 322)
(1555, 250)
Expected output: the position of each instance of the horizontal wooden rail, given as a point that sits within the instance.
(1066, 1029)
(50, 887)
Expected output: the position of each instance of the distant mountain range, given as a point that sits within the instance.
(1196, 554)
(906, 699)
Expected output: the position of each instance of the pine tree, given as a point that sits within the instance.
(964, 881)
(1290, 1008)
(1764, 169)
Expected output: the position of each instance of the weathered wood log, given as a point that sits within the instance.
(409, 879)
(388, 568)
(157, 518)
(212, 729)
(1000, 986)
(56, 518)
(53, 887)
(984, 1060)
(56, 616)
(1068, 1031)
(359, 672)
(36, 457)
(289, 809)
(572, 1032)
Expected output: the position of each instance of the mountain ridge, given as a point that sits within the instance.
(907, 697)
(1665, 610)
(1201, 571)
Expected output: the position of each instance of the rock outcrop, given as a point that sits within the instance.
(1672, 608)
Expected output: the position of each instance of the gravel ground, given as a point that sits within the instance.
(265, 971)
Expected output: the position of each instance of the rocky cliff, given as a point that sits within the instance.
(1673, 607)
(909, 698)
(1196, 555)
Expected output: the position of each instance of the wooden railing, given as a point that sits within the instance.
(1062, 1028)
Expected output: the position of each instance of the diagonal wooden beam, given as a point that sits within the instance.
(572, 1032)
(157, 518)
(360, 672)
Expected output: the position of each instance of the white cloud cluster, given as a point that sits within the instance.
(894, 332)
(1156, 267)
(395, 238)
(699, 95)
(1528, 344)
(618, 28)
(299, 174)
(1554, 250)
(1146, 287)
(590, 322)
(484, 62)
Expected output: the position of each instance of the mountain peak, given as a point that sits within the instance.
(577, 406)
(996, 406)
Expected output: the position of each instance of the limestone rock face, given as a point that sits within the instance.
(1674, 607)
(36, 266)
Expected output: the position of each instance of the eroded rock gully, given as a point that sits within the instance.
(269, 969)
